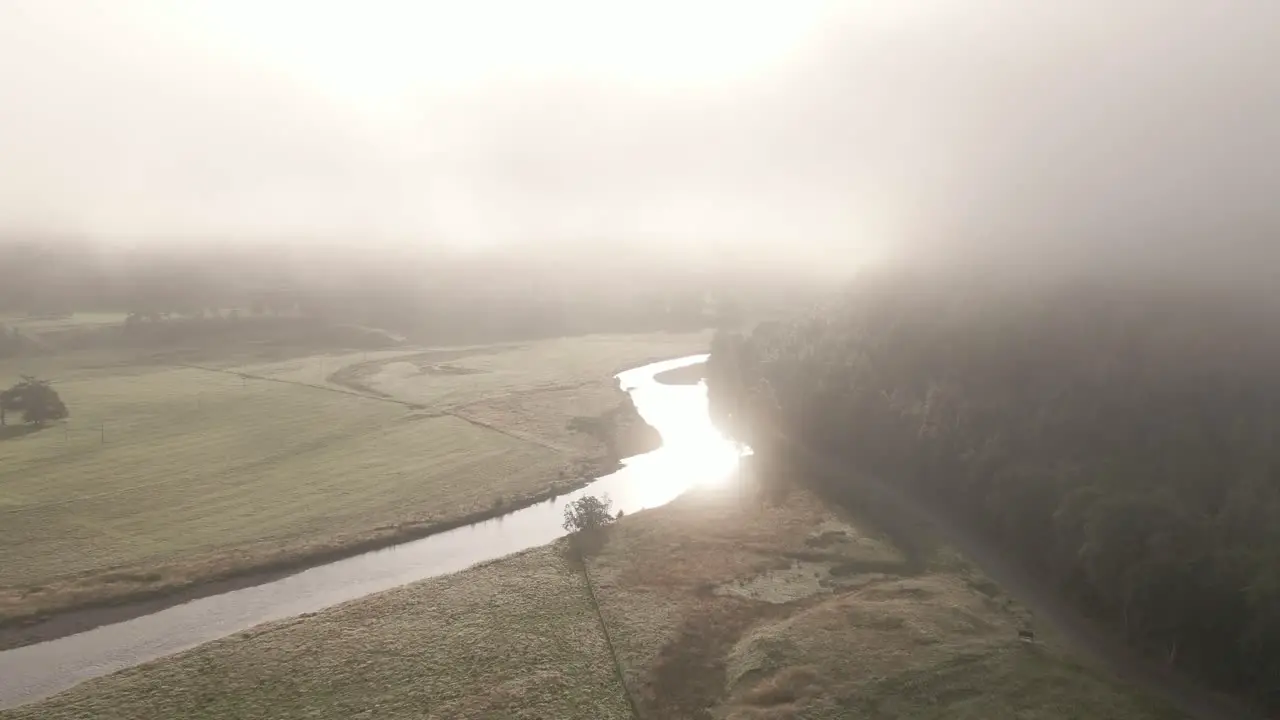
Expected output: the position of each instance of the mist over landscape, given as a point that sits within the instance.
(747, 360)
(825, 135)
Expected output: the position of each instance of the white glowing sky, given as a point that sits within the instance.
(807, 130)
(380, 49)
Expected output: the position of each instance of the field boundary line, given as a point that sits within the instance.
(352, 393)
(608, 640)
(484, 425)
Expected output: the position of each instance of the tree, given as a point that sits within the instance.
(587, 514)
(37, 400)
(1118, 442)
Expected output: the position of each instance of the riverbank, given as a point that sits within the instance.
(617, 433)
(687, 375)
(92, 613)
(715, 606)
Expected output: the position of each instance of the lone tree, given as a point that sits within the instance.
(587, 514)
(37, 400)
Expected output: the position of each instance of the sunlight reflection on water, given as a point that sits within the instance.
(693, 452)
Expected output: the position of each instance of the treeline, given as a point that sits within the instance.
(424, 294)
(1124, 441)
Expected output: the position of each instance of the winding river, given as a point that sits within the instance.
(692, 453)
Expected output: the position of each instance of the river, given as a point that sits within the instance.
(692, 453)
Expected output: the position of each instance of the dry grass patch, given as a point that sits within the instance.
(674, 586)
(723, 609)
(896, 625)
(516, 638)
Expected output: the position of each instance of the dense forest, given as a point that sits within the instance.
(1119, 438)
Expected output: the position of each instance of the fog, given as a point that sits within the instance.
(822, 135)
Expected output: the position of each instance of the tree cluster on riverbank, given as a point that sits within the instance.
(1121, 440)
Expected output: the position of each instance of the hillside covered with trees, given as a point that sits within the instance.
(1121, 440)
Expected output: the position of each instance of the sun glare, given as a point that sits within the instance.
(402, 46)
(693, 453)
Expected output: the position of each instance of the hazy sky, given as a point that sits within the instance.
(827, 131)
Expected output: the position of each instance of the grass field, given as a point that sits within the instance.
(516, 639)
(717, 607)
(38, 325)
(165, 476)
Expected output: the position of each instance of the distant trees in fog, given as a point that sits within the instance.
(429, 295)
